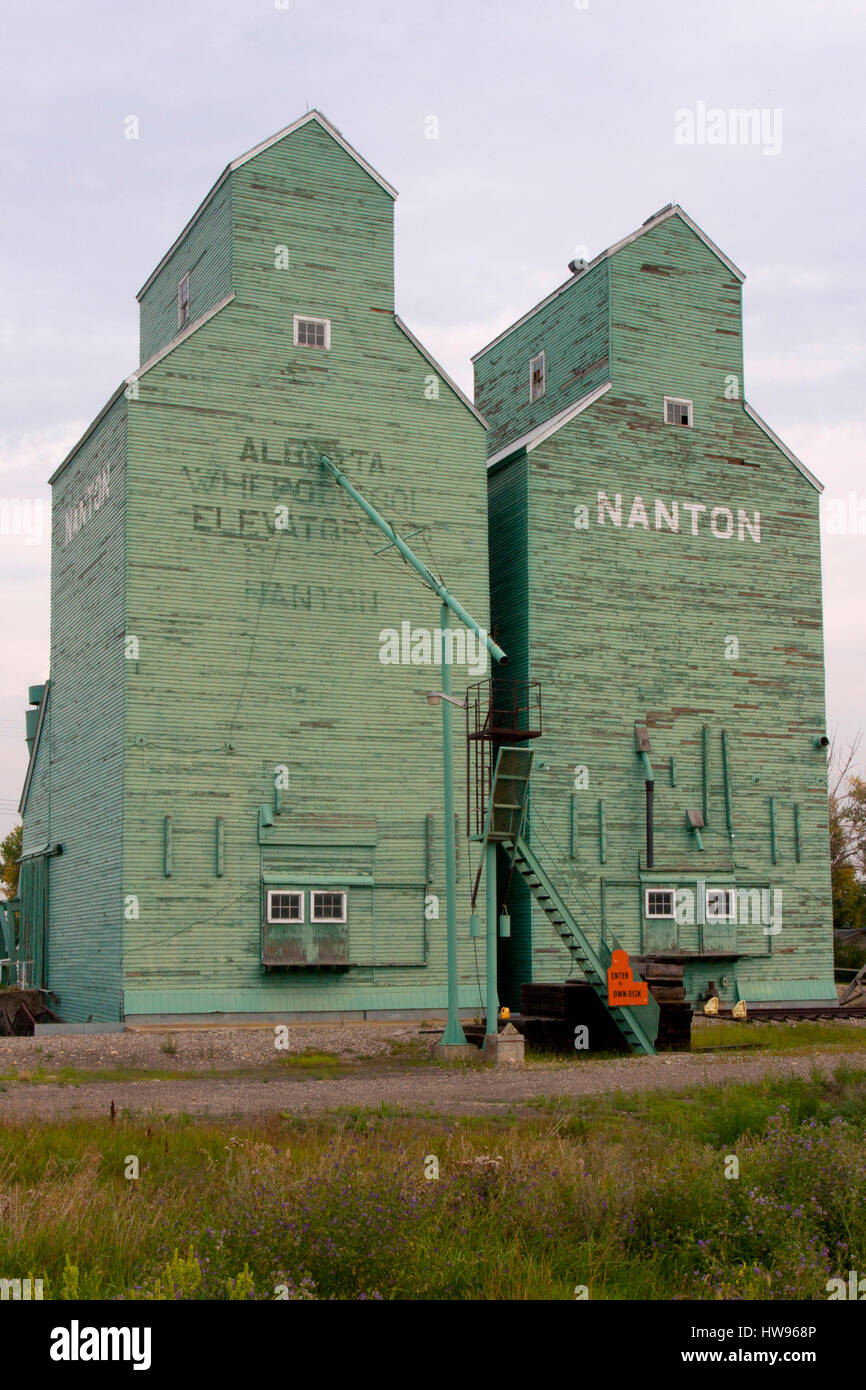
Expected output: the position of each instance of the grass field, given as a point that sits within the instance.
(625, 1195)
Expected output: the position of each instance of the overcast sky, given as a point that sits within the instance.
(556, 131)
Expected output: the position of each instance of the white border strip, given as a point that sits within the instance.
(536, 436)
(771, 434)
(31, 765)
(444, 375)
(137, 374)
(673, 211)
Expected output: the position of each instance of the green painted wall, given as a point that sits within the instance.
(260, 647)
(572, 328)
(205, 254)
(77, 790)
(632, 622)
(250, 585)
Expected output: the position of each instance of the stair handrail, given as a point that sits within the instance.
(608, 942)
(576, 891)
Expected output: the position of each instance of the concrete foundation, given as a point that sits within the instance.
(505, 1048)
(455, 1052)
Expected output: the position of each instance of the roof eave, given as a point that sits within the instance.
(136, 376)
(31, 765)
(251, 154)
(441, 371)
(537, 435)
(673, 211)
(771, 434)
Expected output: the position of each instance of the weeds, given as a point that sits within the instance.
(625, 1194)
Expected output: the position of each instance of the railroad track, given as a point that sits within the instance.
(812, 1015)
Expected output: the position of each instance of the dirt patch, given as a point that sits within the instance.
(473, 1089)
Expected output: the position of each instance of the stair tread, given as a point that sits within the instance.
(568, 930)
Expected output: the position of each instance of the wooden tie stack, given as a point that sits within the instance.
(551, 1013)
(665, 979)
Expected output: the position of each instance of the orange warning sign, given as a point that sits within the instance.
(621, 986)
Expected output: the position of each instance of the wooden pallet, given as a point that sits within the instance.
(21, 1009)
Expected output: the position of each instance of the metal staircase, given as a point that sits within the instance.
(505, 823)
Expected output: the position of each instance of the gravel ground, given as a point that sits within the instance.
(444, 1090)
(202, 1049)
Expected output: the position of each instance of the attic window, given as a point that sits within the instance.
(536, 377)
(315, 333)
(677, 412)
(659, 902)
(720, 905)
(183, 302)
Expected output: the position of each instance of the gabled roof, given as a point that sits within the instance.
(672, 210)
(137, 374)
(251, 154)
(440, 371)
(771, 434)
(539, 433)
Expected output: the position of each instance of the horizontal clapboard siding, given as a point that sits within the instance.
(632, 622)
(205, 255)
(572, 330)
(84, 741)
(260, 648)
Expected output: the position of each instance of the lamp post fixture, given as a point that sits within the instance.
(435, 697)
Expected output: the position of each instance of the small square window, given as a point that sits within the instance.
(660, 902)
(677, 412)
(327, 907)
(720, 905)
(284, 906)
(314, 333)
(183, 302)
(536, 377)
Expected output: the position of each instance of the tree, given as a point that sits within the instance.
(10, 853)
(848, 841)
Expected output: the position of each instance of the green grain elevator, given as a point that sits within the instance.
(655, 566)
(234, 800)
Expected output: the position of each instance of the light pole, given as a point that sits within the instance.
(453, 1035)
(454, 1032)
(491, 928)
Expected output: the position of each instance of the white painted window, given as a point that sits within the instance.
(659, 902)
(326, 906)
(183, 302)
(720, 905)
(677, 411)
(536, 377)
(315, 333)
(284, 906)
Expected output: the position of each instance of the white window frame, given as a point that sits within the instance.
(183, 301)
(289, 893)
(679, 400)
(659, 916)
(533, 395)
(311, 318)
(336, 892)
(730, 912)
